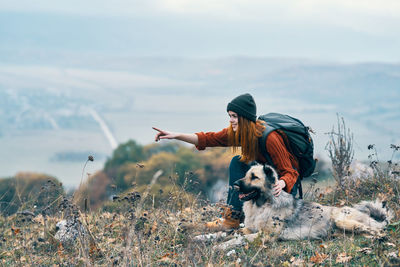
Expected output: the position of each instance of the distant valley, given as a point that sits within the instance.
(55, 112)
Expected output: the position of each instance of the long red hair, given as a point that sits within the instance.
(246, 137)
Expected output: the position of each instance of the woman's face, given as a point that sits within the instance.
(233, 119)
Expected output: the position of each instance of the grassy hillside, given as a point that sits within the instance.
(138, 232)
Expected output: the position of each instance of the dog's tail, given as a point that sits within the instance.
(378, 210)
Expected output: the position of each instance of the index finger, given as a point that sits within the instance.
(154, 128)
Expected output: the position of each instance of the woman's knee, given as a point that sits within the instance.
(237, 169)
(235, 162)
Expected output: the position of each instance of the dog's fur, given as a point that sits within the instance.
(286, 218)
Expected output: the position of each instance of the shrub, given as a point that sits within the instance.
(34, 191)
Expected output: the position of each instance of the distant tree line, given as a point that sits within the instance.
(132, 167)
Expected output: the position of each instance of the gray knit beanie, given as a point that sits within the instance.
(244, 106)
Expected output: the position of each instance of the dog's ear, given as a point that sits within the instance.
(269, 173)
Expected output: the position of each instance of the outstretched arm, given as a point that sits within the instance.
(188, 138)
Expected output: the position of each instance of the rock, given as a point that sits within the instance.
(69, 230)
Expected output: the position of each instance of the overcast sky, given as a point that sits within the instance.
(339, 30)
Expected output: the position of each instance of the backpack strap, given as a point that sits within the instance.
(262, 143)
(300, 187)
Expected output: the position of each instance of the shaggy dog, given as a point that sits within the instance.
(286, 218)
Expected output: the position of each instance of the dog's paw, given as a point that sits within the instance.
(377, 234)
(380, 235)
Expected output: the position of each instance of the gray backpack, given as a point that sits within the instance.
(300, 143)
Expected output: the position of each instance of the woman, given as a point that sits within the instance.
(244, 131)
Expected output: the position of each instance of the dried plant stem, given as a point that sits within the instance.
(340, 150)
(131, 230)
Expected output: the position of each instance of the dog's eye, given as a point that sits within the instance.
(253, 177)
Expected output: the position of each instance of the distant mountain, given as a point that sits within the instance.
(56, 96)
(48, 103)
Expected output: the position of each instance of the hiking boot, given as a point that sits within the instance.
(230, 219)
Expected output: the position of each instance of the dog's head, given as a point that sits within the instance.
(257, 183)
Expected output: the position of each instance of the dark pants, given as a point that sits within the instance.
(237, 170)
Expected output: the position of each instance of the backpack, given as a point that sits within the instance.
(300, 143)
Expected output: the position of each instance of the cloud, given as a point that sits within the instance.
(333, 29)
(88, 8)
(377, 17)
(240, 9)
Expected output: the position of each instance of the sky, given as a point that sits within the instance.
(340, 30)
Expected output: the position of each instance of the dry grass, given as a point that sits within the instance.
(144, 235)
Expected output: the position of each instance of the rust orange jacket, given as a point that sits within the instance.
(285, 163)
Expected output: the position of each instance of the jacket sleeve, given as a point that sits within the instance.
(282, 160)
(211, 139)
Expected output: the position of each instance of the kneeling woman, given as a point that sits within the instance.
(244, 131)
